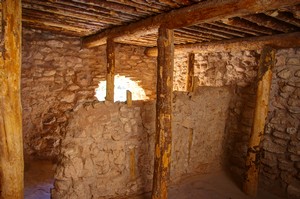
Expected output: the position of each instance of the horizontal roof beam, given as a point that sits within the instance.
(202, 12)
(290, 40)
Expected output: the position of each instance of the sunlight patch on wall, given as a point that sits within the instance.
(122, 84)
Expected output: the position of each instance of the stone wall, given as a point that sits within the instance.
(110, 152)
(280, 157)
(281, 144)
(217, 69)
(58, 76)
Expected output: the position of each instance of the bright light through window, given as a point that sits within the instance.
(122, 84)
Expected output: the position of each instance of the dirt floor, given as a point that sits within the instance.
(39, 181)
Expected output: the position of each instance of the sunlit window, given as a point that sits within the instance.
(122, 84)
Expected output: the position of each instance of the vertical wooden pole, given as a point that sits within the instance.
(267, 61)
(11, 141)
(165, 65)
(128, 98)
(190, 73)
(110, 75)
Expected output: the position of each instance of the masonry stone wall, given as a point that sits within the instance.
(110, 152)
(58, 76)
(217, 69)
(281, 143)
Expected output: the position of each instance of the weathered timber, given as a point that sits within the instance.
(249, 26)
(139, 6)
(190, 73)
(43, 7)
(290, 40)
(163, 142)
(128, 98)
(270, 22)
(225, 32)
(63, 8)
(110, 70)
(286, 17)
(54, 24)
(207, 11)
(235, 28)
(11, 143)
(267, 62)
(52, 29)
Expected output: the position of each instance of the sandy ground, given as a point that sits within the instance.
(39, 181)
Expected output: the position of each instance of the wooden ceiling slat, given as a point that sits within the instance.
(125, 9)
(207, 37)
(238, 22)
(206, 12)
(221, 31)
(72, 15)
(35, 14)
(51, 29)
(43, 17)
(57, 25)
(270, 22)
(286, 17)
(183, 2)
(71, 9)
(97, 10)
(206, 33)
(238, 29)
(139, 7)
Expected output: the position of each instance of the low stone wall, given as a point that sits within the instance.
(108, 149)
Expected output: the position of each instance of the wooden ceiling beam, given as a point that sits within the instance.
(207, 11)
(270, 22)
(290, 40)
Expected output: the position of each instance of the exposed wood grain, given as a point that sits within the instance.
(11, 138)
(286, 17)
(270, 22)
(238, 22)
(190, 73)
(267, 62)
(207, 11)
(162, 158)
(290, 40)
(110, 74)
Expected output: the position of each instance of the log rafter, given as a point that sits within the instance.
(207, 11)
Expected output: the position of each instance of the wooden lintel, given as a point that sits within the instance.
(11, 139)
(190, 73)
(203, 12)
(110, 70)
(267, 62)
(163, 141)
(290, 40)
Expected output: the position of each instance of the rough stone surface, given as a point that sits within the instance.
(58, 76)
(281, 141)
(101, 157)
(217, 69)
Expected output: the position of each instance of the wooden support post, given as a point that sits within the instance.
(11, 139)
(162, 159)
(128, 98)
(267, 61)
(110, 75)
(190, 73)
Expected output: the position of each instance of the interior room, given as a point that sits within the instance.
(138, 99)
